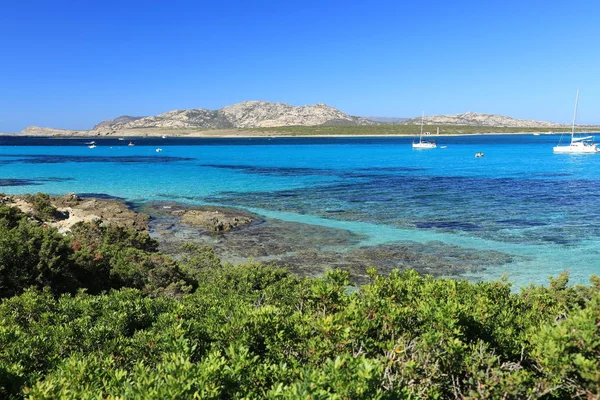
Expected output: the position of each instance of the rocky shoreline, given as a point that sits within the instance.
(238, 236)
(71, 209)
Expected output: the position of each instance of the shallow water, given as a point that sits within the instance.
(538, 209)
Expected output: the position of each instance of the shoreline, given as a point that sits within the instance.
(280, 136)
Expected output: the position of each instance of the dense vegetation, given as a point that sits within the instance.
(395, 129)
(101, 314)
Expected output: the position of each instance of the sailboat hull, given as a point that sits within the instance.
(577, 148)
(578, 145)
(424, 145)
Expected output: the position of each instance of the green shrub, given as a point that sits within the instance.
(42, 206)
(91, 257)
(31, 254)
(198, 328)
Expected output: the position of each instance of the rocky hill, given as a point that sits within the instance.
(249, 114)
(123, 119)
(476, 119)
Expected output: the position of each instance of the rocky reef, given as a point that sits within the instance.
(307, 250)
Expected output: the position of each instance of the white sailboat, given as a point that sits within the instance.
(423, 144)
(578, 145)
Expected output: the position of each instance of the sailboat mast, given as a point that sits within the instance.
(422, 118)
(574, 115)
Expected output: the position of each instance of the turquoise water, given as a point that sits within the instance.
(520, 199)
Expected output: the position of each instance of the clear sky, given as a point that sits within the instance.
(70, 64)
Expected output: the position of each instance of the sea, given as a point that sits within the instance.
(538, 211)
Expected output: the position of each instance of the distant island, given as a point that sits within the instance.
(262, 118)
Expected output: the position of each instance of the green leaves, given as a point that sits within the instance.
(93, 257)
(42, 206)
(568, 350)
(102, 314)
(253, 331)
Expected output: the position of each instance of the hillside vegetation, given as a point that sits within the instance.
(101, 314)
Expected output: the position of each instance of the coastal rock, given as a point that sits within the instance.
(72, 209)
(67, 200)
(214, 219)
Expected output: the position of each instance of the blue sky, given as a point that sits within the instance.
(70, 64)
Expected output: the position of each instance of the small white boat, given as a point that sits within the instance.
(479, 154)
(121, 138)
(536, 134)
(423, 144)
(92, 142)
(578, 145)
(164, 137)
(131, 144)
(158, 150)
(443, 147)
(92, 146)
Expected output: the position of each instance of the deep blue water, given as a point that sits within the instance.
(520, 199)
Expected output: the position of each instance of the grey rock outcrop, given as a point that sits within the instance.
(123, 119)
(258, 114)
(214, 219)
(72, 209)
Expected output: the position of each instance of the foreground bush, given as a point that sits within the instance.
(92, 256)
(256, 331)
(194, 328)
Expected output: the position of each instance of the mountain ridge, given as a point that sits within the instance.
(248, 114)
